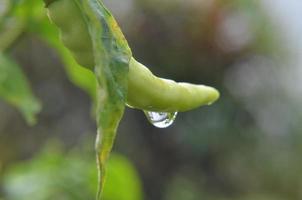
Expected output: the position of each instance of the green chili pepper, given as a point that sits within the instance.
(145, 91)
(148, 92)
(74, 31)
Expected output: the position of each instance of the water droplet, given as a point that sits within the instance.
(161, 119)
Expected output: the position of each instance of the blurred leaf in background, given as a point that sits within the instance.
(21, 17)
(15, 89)
(53, 174)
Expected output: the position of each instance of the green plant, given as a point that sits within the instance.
(95, 40)
(121, 79)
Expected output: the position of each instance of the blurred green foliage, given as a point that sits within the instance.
(53, 174)
(22, 17)
(14, 89)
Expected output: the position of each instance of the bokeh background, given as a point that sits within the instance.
(246, 146)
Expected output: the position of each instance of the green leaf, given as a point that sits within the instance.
(122, 177)
(15, 89)
(11, 25)
(40, 25)
(78, 75)
(112, 56)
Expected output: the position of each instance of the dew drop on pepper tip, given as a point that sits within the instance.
(161, 119)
